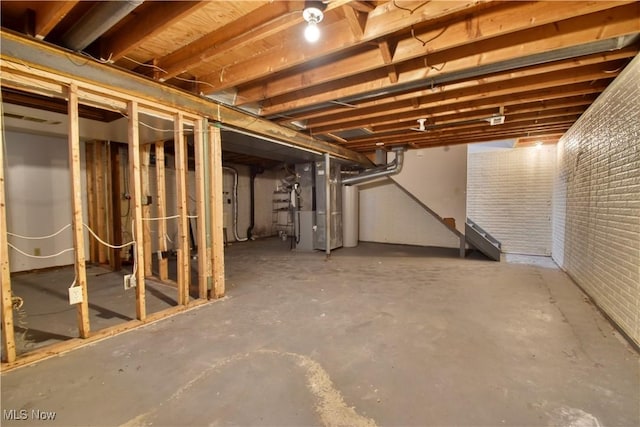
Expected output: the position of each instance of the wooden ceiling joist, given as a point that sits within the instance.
(536, 34)
(43, 59)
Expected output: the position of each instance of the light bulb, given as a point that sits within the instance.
(312, 32)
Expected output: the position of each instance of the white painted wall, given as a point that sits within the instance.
(596, 227)
(437, 177)
(388, 215)
(38, 196)
(509, 195)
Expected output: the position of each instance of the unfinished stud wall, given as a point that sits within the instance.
(596, 228)
(509, 195)
(39, 199)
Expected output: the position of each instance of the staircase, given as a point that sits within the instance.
(482, 241)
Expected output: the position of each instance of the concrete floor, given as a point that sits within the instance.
(378, 335)
(47, 318)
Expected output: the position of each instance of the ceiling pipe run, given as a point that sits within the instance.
(97, 21)
(392, 168)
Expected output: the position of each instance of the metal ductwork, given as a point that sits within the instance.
(97, 21)
(389, 169)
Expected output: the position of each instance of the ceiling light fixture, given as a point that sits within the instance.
(312, 13)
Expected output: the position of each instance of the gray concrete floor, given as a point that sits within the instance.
(47, 318)
(378, 335)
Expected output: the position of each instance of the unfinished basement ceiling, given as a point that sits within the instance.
(378, 67)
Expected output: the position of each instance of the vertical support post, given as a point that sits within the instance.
(8, 333)
(161, 204)
(204, 265)
(217, 250)
(145, 153)
(183, 220)
(100, 161)
(76, 209)
(116, 207)
(327, 209)
(136, 195)
(91, 198)
(463, 246)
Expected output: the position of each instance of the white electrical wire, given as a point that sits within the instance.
(161, 218)
(108, 244)
(40, 256)
(39, 237)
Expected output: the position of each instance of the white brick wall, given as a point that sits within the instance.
(596, 227)
(509, 194)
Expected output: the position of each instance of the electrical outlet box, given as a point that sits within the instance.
(129, 281)
(75, 295)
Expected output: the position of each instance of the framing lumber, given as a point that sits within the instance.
(157, 18)
(49, 14)
(204, 264)
(216, 203)
(136, 200)
(116, 206)
(58, 66)
(74, 343)
(161, 205)
(184, 257)
(100, 161)
(145, 160)
(76, 209)
(8, 333)
(91, 197)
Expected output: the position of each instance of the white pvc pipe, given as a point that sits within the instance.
(350, 216)
(235, 204)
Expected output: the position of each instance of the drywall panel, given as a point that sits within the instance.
(437, 177)
(388, 215)
(509, 195)
(596, 233)
(38, 196)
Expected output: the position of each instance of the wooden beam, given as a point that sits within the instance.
(41, 64)
(217, 209)
(262, 22)
(8, 333)
(364, 71)
(145, 160)
(548, 80)
(204, 264)
(161, 205)
(75, 343)
(184, 255)
(357, 21)
(116, 206)
(338, 37)
(49, 14)
(151, 20)
(100, 161)
(135, 184)
(587, 89)
(76, 209)
(91, 198)
(362, 6)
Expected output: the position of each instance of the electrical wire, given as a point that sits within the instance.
(407, 9)
(39, 237)
(40, 256)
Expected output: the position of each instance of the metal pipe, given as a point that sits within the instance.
(327, 207)
(97, 21)
(235, 203)
(393, 168)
